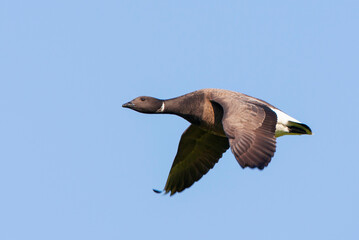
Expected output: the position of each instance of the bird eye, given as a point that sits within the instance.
(142, 99)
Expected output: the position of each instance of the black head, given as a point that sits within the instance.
(144, 104)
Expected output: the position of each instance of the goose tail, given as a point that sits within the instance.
(298, 128)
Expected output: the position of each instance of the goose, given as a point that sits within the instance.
(220, 119)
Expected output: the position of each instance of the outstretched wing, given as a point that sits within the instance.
(250, 128)
(197, 153)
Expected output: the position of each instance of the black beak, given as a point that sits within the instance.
(128, 105)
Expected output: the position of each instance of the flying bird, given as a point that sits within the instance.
(220, 119)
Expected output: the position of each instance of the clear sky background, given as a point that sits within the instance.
(75, 165)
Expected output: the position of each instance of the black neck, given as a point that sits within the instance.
(187, 106)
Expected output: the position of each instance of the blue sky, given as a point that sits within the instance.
(75, 165)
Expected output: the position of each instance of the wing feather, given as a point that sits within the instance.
(197, 153)
(250, 128)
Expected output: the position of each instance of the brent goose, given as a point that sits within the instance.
(220, 119)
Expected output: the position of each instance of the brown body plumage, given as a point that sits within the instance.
(220, 119)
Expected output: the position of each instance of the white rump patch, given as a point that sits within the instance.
(282, 122)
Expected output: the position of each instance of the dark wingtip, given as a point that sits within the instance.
(157, 191)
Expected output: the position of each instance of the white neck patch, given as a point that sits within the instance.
(162, 108)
